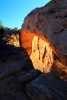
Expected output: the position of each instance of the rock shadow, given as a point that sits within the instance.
(18, 77)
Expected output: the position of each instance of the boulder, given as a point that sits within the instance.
(16, 62)
(26, 76)
(47, 87)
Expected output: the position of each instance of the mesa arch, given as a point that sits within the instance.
(49, 24)
(38, 49)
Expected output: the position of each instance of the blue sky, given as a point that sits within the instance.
(13, 12)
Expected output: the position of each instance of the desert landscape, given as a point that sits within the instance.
(33, 59)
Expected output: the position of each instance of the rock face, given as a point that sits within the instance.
(10, 36)
(41, 56)
(49, 23)
(26, 41)
(9, 40)
(16, 70)
(60, 68)
(46, 87)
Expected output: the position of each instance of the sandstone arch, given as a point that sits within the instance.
(49, 24)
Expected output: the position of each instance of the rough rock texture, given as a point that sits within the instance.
(17, 73)
(41, 56)
(50, 23)
(10, 36)
(60, 68)
(19, 79)
(26, 41)
(9, 40)
(46, 87)
(16, 70)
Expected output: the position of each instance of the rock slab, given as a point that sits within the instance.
(47, 87)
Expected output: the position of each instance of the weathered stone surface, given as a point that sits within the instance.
(15, 69)
(49, 23)
(39, 51)
(47, 87)
(41, 56)
(26, 41)
(15, 63)
(9, 40)
(11, 36)
(60, 68)
(26, 76)
(20, 96)
(18, 79)
(6, 85)
(5, 96)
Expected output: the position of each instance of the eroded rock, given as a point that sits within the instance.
(42, 55)
(11, 36)
(47, 87)
(49, 24)
(60, 68)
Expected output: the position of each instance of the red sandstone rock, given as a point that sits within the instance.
(41, 56)
(39, 51)
(60, 68)
(26, 40)
(49, 23)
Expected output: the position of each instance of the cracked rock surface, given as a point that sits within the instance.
(50, 24)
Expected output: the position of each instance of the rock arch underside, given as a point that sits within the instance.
(44, 36)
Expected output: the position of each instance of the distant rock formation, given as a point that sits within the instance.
(11, 36)
(8, 38)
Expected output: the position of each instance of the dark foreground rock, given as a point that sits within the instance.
(5, 96)
(16, 70)
(47, 87)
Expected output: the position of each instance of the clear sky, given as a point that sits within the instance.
(13, 12)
